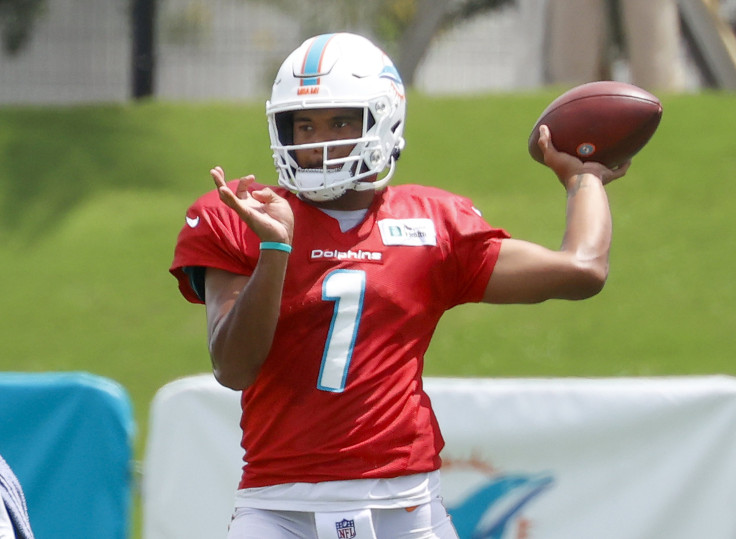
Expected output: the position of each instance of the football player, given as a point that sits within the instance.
(322, 295)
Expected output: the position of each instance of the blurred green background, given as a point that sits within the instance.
(92, 198)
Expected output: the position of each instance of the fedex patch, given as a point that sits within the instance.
(413, 232)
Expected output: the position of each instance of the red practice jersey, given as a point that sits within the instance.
(340, 395)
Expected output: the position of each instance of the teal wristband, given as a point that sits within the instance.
(275, 246)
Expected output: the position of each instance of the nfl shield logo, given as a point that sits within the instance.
(345, 529)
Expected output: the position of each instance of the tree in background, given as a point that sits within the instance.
(415, 35)
(17, 18)
(405, 28)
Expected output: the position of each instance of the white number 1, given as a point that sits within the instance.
(347, 289)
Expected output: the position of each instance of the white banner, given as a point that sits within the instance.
(593, 458)
(639, 458)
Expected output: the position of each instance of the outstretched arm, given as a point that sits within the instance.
(529, 273)
(242, 312)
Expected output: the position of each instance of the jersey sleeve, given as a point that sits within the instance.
(213, 236)
(474, 253)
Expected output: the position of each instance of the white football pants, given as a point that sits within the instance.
(428, 521)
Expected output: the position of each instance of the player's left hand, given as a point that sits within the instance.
(568, 166)
(266, 213)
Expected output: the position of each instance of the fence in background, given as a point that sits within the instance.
(81, 51)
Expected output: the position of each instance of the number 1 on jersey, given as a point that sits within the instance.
(346, 288)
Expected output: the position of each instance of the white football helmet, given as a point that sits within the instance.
(346, 71)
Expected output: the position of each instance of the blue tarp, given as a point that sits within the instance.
(68, 437)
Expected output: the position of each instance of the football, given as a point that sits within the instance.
(604, 121)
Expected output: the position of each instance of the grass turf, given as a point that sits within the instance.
(91, 200)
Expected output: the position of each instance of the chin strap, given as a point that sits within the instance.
(308, 179)
(309, 182)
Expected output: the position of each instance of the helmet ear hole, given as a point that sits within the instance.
(396, 152)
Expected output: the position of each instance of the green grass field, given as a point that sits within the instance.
(91, 200)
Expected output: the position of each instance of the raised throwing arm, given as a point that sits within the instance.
(529, 273)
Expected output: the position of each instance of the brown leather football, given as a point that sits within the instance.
(604, 121)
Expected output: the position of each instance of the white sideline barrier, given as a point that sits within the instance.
(634, 458)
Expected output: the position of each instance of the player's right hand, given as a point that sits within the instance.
(567, 166)
(266, 213)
